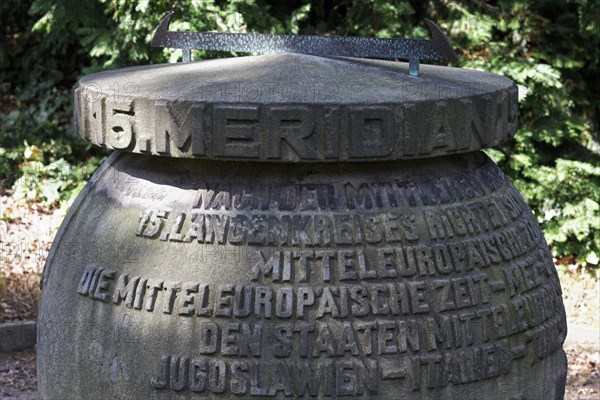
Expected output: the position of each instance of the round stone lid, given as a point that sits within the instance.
(295, 108)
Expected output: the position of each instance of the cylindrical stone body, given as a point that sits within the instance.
(184, 278)
(345, 238)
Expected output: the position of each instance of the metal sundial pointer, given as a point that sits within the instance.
(437, 48)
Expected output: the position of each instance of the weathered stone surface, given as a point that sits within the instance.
(185, 276)
(202, 279)
(294, 107)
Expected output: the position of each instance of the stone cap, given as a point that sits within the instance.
(295, 108)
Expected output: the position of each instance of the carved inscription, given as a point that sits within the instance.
(455, 337)
(300, 302)
(474, 219)
(349, 196)
(386, 255)
(342, 288)
(255, 378)
(106, 122)
(259, 338)
(331, 378)
(309, 303)
(313, 215)
(299, 131)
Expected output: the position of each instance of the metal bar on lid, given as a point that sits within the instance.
(414, 50)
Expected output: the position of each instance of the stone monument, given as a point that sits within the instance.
(299, 225)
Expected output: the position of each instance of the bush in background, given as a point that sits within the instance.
(551, 49)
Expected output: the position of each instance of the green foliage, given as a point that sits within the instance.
(35, 104)
(550, 48)
(566, 198)
(49, 183)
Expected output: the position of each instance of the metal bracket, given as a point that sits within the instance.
(414, 50)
